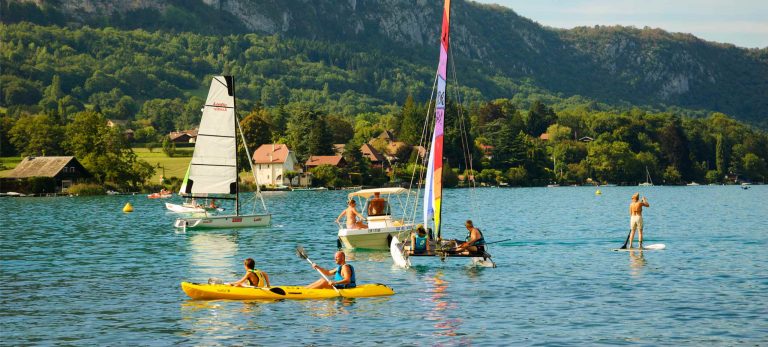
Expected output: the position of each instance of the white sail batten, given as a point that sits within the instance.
(213, 169)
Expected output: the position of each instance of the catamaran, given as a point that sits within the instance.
(432, 197)
(213, 171)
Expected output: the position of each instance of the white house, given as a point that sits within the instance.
(271, 161)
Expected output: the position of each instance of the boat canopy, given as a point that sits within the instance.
(367, 193)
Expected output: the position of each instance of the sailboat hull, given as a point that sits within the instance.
(224, 222)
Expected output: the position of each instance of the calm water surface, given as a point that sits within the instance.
(79, 271)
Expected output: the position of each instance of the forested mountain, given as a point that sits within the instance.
(499, 52)
(611, 101)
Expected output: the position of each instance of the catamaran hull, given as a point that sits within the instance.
(401, 259)
(223, 291)
(224, 222)
(378, 238)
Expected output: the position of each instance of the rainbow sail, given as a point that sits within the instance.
(434, 181)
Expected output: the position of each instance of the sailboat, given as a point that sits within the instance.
(213, 171)
(433, 187)
(648, 181)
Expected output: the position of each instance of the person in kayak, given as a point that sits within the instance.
(636, 219)
(474, 242)
(343, 274)
(253, 276)
(419, 241)
(352, 215)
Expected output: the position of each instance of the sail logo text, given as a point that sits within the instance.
(219, 106)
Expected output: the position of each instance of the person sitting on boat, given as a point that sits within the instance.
(343, 274)
(351, 213)
(213, 204)
(377, 206)
(253, 276)
(419, 241)
(474, 242)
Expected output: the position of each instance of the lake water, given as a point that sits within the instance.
(79, 271)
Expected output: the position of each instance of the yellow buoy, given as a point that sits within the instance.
(127, 208)
(598, 192)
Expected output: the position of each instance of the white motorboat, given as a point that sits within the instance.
(382, 226)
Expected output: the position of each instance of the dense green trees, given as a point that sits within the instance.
(311, 95)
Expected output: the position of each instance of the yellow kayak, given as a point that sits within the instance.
(222, 291)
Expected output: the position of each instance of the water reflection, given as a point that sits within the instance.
(367, 255)
(444, 325)
(328, 308)
(212, 255)
(636, 262)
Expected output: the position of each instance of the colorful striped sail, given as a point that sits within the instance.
(434, 180)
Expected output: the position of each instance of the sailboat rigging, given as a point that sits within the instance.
(432, 202)
(213, 171)
(648, 181)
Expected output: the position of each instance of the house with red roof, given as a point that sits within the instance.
(333, 160)
(271, 162)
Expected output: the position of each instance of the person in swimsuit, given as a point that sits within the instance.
(343, 274)
(636, 219)
(253, 276)
(419, 241)
(351, 213)
(377, 206)
(474, 242)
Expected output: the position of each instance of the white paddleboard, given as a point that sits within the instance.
(652, 247)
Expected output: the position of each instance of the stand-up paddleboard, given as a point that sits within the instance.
(652, 247)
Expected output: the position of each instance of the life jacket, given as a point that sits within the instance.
(421, 243)
(338, 277)
(479, 242)
(260, 275)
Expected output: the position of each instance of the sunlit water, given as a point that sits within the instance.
(80, 271)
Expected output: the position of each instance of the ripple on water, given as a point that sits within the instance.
(82, 272)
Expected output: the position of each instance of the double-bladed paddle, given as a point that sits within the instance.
(303, 255)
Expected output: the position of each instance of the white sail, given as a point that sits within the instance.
(213, 169)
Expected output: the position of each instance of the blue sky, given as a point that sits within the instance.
(740, 22)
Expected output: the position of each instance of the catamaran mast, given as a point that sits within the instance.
(433, 195)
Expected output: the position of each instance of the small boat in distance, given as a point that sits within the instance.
(648, 181)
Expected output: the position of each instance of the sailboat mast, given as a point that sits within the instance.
(434, 184)
(231, 84)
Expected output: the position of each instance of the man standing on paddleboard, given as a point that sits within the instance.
(636, 219)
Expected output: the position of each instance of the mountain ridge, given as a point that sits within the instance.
(611, 64)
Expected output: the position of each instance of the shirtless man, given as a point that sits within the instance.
(636, 219)
(377, 205)
(352, 215)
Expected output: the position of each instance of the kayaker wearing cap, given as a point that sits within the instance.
(475, 242)
(636, 219)
(343, 274)
(254, 276)
(419, 241)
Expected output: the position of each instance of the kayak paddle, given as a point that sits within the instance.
(303, 255)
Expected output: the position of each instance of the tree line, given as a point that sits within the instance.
(311, 95)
